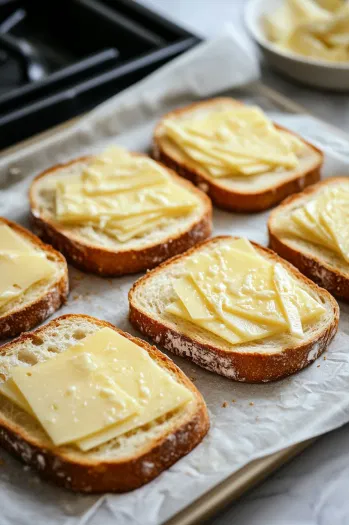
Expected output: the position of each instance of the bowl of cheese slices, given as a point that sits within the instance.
(307, 40)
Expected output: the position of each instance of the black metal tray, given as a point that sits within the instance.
(59, 58)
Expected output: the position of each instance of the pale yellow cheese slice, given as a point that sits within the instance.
(232, 142)
(116, 170)
(323, 220)
(136, 231)
(105, 381)
(10, 390)
(10, 241)
(21, 265)
(70, 394)
(191, 299)
(122, 195)
(72, 206)
(212, 325)
(240, 296)
(155, 390)
(19, 271)
(285, 289)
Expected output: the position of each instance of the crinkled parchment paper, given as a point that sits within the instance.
(263, 418)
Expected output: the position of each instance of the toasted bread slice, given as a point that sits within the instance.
(320, 264)
(261, 361)
(39, 301)
(238, 194)
(99, 253)
(122, 464)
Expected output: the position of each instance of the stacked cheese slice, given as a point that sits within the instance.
(323, 220)
(234, 142)
(307, 28)
(123, 195)
(21, 265)
(97, 390)
(240, 296)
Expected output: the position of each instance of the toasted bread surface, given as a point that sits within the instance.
(261, 361)
(42, 299)
(238, 194)
(120, 465)
(320, 264)
(98, 253)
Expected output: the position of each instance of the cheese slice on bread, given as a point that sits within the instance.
(33, 279)
(235, 154)
(311, 230)
(117, 212)
(94, 409)
(235, 308)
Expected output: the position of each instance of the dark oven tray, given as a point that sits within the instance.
(59, 58)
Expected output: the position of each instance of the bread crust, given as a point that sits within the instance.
(249, 367)
(59, 466)
(35, 312)
(236, 201)
(318, 270)
(105, 262)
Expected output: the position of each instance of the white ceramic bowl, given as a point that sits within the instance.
(315, 73)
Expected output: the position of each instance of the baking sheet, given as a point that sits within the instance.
(263, 418)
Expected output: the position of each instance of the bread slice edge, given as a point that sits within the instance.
(318, 270)
(27, 316)
(105, 262)
(249, 367)
(61, 466)
(236, 201)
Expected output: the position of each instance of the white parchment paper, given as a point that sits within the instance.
(257, 420)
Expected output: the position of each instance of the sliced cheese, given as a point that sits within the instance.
(116, 171)
(191, 299)
(214, 325)
(19, 271)
(285, 289)
(240, 296)
(10, 241)
(323, 220)
(95, 391)
(239, 141)
(123, 195)
(313, 28)
(72, 206)
(70, 394)
(155, 390)
(21, 265)
(10, 390)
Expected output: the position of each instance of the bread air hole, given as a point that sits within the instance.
(37, 340)
(52, 349)
(79, 334)
(27, 357)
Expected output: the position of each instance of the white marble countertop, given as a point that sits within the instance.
(313, 488)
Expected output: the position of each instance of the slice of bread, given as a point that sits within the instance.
(238, 194)
(261, 361)
(122, 464)
(40, 300)
(320, 264)
(96, 252)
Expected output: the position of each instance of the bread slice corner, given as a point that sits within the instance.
(100, 254)
(323, 266)
(42, 299)
(120, 465)
(237, 194)
(254, 362)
